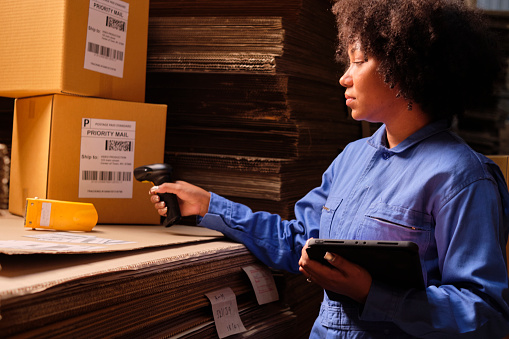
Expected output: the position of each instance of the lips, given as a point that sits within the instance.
(349, 99)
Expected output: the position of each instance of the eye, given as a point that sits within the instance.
(359, 60)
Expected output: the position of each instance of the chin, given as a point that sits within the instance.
(360, 117)
(356, 116)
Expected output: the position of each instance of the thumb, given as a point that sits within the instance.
(334, 259)
(330, 257)
(163, 188)
(340, 263)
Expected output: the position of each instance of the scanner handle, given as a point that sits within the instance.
(173, 211)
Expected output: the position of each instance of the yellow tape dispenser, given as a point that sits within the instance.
(60, 215)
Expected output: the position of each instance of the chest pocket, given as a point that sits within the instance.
(387, 222)
(329, 211)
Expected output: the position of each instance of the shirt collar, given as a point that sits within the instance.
(379, 139)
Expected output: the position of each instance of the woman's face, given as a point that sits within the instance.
(368, 96)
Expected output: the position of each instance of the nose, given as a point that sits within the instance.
(346, 79)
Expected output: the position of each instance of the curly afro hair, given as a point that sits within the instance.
(437, 53)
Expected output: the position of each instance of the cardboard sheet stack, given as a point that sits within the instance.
(256, 112)
(140, 288)
(162, 300)
(80, 126)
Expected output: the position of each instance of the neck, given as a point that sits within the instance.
(404, 124)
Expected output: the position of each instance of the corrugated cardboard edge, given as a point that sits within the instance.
(35, 271)
(35, 280)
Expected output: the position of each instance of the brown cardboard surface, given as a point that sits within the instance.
(30, 271)
(45, 156)
(139, 236)
(42, 51)
(73, 295)
(28, 274)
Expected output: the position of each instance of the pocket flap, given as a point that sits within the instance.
(400, 216)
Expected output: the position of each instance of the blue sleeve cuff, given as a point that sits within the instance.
(218, 214)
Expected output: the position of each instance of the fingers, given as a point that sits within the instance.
(304, 258)
(155, 199)
(159, 205)
(341, 276)
(330, 257)
(153, 190)
(336, 261)
(310, 268)
(167, 187)
(162, 211)
(306, 274)
(192, 199)
(346, 267)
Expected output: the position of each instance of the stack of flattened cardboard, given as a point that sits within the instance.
(256, 111)
(139, 281)
(268, 184)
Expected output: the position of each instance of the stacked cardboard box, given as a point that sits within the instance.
(85, 47)
(257, 112)
(77, 69)
(84, 149)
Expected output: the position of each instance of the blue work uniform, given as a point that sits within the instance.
(431, 189)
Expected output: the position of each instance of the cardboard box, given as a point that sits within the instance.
(92, 48)
(84, 150)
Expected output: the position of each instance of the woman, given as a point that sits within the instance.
(413, 65)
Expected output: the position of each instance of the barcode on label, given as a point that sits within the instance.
(116, 24)
(105, 52)
(117, 145)
(106, 176)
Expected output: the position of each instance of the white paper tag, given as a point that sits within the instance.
(107, 158)
(106, 36)
(263, 283)
(226, 312)
(45, 214)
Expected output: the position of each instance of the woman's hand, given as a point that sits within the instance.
(344, 277)
(192, 200)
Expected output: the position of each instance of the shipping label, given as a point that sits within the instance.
(226, 312)
(106, 37)
(107, 158)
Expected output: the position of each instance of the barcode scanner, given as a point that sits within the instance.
(158, 174)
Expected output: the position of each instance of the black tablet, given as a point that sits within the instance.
(395, 263)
